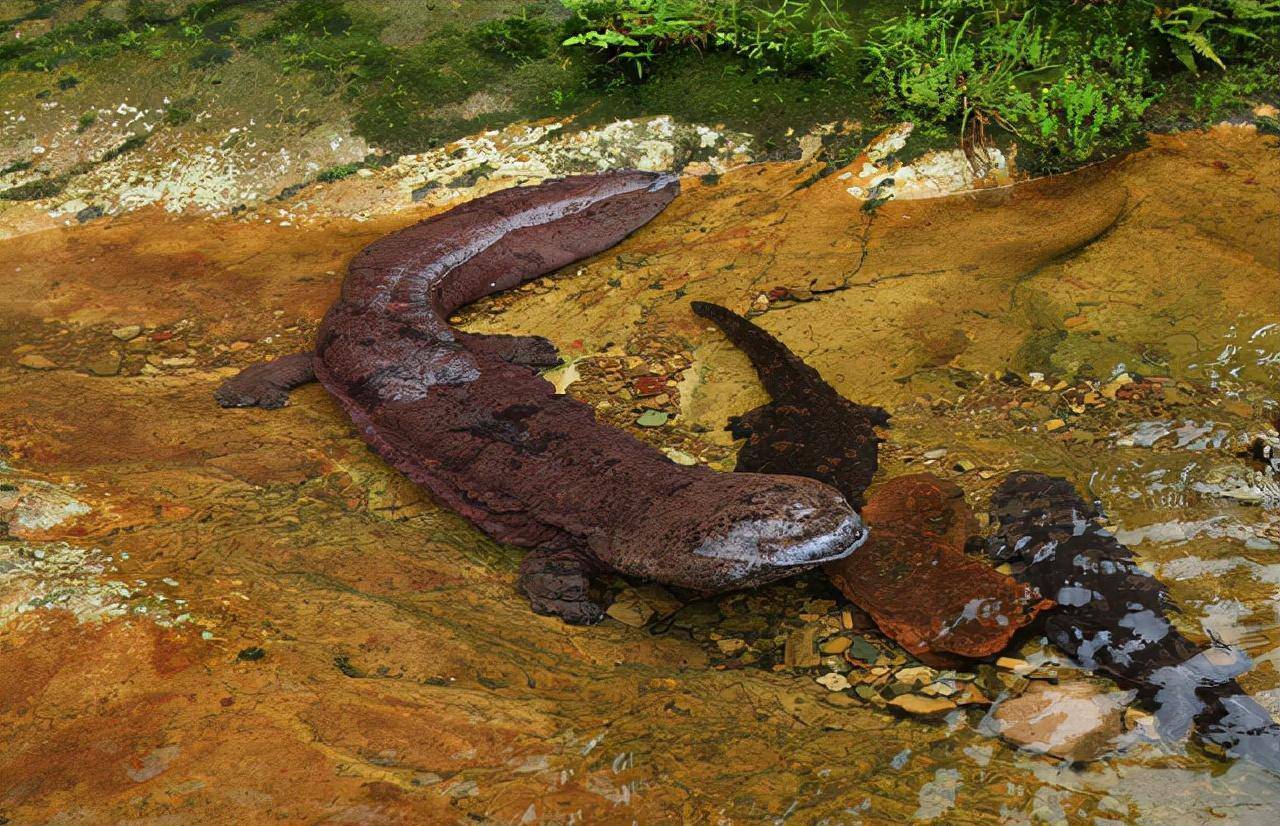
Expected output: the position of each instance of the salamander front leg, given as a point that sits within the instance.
(557, 584)
(527, 351)
(268, 384)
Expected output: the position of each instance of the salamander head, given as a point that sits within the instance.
(634, 194)
(731, 530)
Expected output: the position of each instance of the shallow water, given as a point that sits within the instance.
(256, 619)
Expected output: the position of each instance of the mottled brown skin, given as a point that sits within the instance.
(467, 417)
(1111, 617)
(915, 580)
(807, 428)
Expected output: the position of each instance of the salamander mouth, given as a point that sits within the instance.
(838, 543)
(780, 543)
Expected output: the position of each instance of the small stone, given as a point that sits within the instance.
(868, 693)
(108, 364)
(937, 453)
(963, 466)
(252, 654)
(918, 675)
(923, 706)
(834, 682)
(1017, 666)
(861, 651)
(799, 651)
(731, 647)
(128, 332)
(663, 603)
(630, 609)
(1054, 424)
(35, 361)
(835, 645)
(237, 346)
(176, 361)
(1109, 389)
(969, 695)
(653, 418)
(680, 457)
(939, 689)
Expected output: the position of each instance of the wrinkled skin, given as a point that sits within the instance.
(467, 417)
(1111, 617)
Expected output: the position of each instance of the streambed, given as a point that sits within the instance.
(243, 615)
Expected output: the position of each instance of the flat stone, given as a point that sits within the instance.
(799, 651)
(630, 609)
(835, 645)
(1072, 721)
(35, 361)
(662, 601)
(128, 332)
(732, 646)
(916, 581)
(922, 706)
(108, 364)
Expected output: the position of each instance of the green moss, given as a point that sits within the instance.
(180, 112)
(86, 120)
(528, 35)
(35, 190)
(131, 143)
(16, 166)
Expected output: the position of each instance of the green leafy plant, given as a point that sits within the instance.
(1193, 30)
(787, 36)
(961, 62)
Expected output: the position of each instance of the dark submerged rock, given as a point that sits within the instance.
(1111, 617)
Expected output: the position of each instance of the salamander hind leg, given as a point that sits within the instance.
(267, 385)
(557, 584)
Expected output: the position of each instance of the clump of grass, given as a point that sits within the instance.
(337, 173)
(86, 120)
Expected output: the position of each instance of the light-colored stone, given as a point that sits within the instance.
(833, 682)
(1073, 721)
(630, 609)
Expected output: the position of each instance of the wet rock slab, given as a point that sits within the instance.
(915, 580)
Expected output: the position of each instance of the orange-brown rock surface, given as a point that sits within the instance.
(915, 580)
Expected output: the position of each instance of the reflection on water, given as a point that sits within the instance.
(349, 651)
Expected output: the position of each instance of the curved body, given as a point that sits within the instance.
(467, 416)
